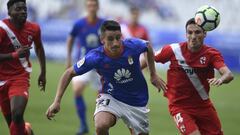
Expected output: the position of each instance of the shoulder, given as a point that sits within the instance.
(165, 49)
(95, 54)
(133, 42)
(81, 20)
(175, 46)
(210, 50)
(32, 25)
(2, 31)
(142, 27)
(101, 19)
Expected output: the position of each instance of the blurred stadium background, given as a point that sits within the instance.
(165, 21)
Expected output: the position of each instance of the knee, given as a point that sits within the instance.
(17, 116)
(78, 88)
(101, 127)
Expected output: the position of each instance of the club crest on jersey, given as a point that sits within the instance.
(80, 62)
(203, 60)
(130, 60)
(182, 62)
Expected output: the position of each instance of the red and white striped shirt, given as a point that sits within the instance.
(26, 36)
(188, 73)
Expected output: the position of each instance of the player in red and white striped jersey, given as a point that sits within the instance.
(189, 77)
(16, 37)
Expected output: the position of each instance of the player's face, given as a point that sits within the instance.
(195, 36)
(92, 7)
(18, 12)
(135, 16)
(112, 41)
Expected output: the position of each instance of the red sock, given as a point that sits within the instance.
(17, 129)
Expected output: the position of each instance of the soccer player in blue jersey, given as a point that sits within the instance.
(85, 30)
(124, 92)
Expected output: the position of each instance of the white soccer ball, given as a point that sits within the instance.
(207, 17)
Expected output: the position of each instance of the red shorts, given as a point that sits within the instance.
(203, 119)
(16, 87)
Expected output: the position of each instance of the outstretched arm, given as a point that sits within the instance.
(62, 85)
(155, 79)
(39, 50)
(143, 62)
(226, 77)
(70, 42)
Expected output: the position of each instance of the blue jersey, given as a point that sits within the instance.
(121, 77)
(87, 35)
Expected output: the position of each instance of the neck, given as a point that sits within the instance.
(112, 54)
(17, 24)
(134, 24)
(92, 19)
(194, 49)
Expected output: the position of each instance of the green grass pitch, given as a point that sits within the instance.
(226, 99)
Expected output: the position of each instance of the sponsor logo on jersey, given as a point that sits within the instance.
(80, 62)
(189, 71)
(182, 61)
(123, 76)
(202, 60)
(130, 60)
(30, 39)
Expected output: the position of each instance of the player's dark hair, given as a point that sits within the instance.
(11, 2)
(110, 25)
(191, 21)
(92, 0)
(133, 9)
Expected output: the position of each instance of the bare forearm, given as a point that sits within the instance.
(70, 41)
(143, 62)
(227, 77)
(42, 60)
(4, 57)
(226, 74)
(62, 85)
(150, 61)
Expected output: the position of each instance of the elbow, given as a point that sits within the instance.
(231, 77)
(70, 72)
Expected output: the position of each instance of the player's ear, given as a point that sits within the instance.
(9, 11)
(102, 39)
(205, 34)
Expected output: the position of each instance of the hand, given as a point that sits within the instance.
(53, 110)
(42, 81)
(158, 83)
(23, 51)
(215, 81)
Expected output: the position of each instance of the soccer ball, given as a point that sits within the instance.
(207, 17)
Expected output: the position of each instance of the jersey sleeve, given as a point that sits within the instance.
(37, 36)
(139, 45)
(164, 54)
(217, 60)
(145, 36)
(89, 62)
(75, 29)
